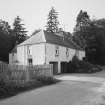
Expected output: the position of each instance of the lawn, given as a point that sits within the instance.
(9, 90)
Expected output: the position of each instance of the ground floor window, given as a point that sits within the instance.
(30, 62)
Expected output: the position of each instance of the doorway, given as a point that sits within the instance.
(55, 67)
(64, 67)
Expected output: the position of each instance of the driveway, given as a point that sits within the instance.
(73, 90)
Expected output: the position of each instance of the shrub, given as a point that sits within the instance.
(46, 80)
(11, 89)
(74, 64)
(79, 66)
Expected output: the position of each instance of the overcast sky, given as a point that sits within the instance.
(34, 12)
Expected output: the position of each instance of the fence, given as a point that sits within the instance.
(21, 74)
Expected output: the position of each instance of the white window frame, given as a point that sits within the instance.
(29, 50)
(56, 51)
(67, 52)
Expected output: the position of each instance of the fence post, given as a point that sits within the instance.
(27, 74)
(51, 69)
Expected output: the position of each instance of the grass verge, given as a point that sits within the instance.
(10, 89)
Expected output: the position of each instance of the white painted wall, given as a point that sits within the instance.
(50, 55)
(38, 53)
(12, 58)
(22, 55)
(81, 54)
(44, 53)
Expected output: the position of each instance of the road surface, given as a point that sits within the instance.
(73, 90)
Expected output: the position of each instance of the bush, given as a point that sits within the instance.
(11, 89)
(46, 80)
(79, 66)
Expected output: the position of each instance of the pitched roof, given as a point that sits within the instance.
(46, 37)
(14, 50)
(37, 38)
(55, 39)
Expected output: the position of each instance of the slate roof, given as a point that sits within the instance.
(46, 37)
(14, 50)
(55, 39)
(35, 39)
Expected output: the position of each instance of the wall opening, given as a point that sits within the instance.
(55, 67)
(30, 61)
(64, 67)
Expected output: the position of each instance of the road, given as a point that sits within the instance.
(73, 90)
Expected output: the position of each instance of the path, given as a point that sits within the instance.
(73, 90)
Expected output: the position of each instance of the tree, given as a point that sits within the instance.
(5, 27)
(52, 23)
(82, 20)
(19, 30)
(5, 40)
(81, 29)
(99, 22)
(100, 37)
(85, 35)
(90, 35)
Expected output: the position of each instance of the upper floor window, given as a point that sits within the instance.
(77, 53)
(67, 52)
(56, 51)
(29, 51)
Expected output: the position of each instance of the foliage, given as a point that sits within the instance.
(82, 20)
(90, 35)
(79, 66)
(52, 21)
(46, 80)
(10, 37)
(81, 29)
(6, 42)
(5, 27)
(95, 44)
(11, 89)
(19, 30)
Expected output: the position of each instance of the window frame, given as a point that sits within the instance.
(67, 52)
(56, 51)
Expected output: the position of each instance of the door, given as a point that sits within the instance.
(55, 67)
(64, 67)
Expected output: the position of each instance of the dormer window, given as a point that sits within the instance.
(67, 52)
(56, 51)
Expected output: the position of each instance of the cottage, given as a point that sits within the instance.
(46, 48)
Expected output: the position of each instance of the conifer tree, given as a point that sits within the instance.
(52, 23)
(19, 30)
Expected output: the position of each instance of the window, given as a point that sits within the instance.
(13, 54)
(77, 53)
(30, 61)
(56, 51)
(67, 52)
(29, 51)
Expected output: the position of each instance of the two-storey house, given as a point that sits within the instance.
(47, 48)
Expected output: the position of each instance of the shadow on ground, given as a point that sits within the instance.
(9, 91)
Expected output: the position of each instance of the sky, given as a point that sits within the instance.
(35, 12)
